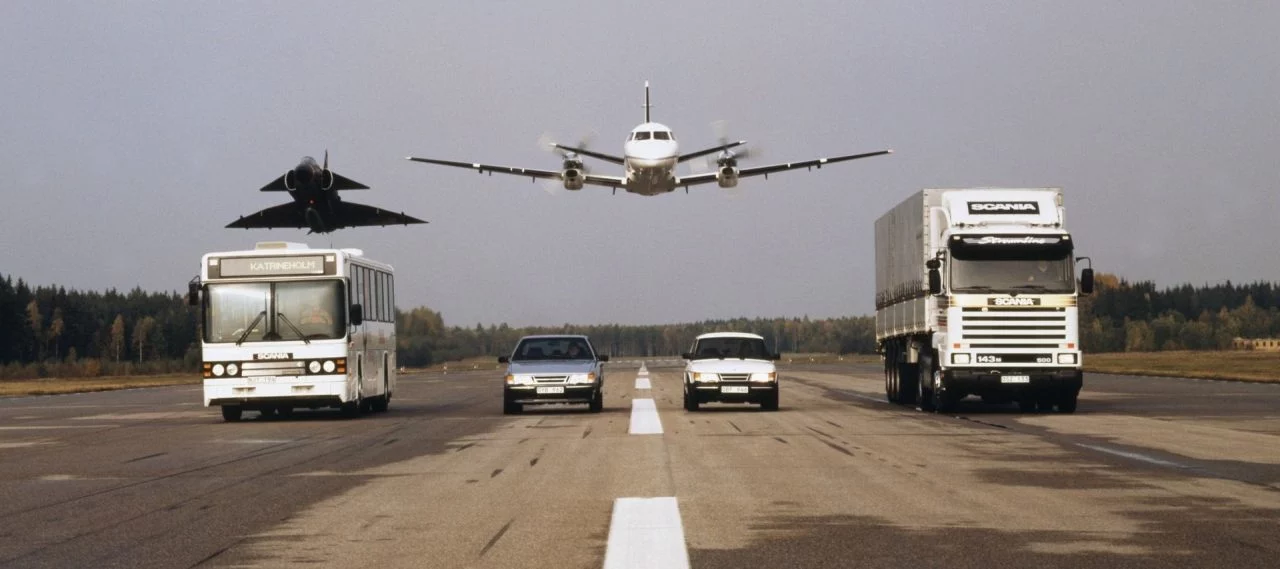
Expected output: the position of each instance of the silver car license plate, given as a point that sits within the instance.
(734, 389)
(550, 390)
(1015, 379)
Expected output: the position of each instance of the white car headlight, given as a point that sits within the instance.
(218, 370)
(329, 366)
(961, 358)
(764, 377)
(705, 377)
(233, 369)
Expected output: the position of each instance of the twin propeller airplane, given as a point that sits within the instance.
(649, 159)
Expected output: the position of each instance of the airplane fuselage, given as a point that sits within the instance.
(649, 157)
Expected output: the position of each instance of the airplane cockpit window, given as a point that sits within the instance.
(661, 135)
(642, 136)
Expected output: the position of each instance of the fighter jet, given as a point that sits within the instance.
(316, 204)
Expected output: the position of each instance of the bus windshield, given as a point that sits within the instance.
(275, 311)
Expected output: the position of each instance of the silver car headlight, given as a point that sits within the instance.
(765, 377)
(704, 377)
(579, 378)
(515, 379)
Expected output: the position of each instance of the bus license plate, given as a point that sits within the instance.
(1015, 379)
(550, 390)
(734, 389)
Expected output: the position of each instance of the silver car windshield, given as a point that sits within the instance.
(267, 312)
(541, 349)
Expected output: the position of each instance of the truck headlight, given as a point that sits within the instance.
(699, 376)
(961, 358)
(1067, 359)
(765, 377)
(218, 370)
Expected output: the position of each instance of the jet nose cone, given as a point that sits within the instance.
(303, 174)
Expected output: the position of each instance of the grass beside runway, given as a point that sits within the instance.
(58, 385)
(1230, 365)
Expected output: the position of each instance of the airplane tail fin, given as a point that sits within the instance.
(647, 105)
(326, 159)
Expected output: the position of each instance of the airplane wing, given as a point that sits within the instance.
(711, 150)
(591, 153)
(773, 168)
(593, 179)
(284, 215)
(359, 215)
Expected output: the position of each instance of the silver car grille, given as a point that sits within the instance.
(550, 378)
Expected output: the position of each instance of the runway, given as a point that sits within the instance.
(1150, 472)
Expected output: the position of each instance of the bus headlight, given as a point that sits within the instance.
(313, 367)
(232, 369)
(765, 377)
(1067, 359)
(329, 366)
(218, 370)
(705, 377)
(961, 359)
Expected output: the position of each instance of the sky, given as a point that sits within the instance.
(133, 132)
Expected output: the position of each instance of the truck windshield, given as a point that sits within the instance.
(270, 312)
(730, 347)
(1019, 276)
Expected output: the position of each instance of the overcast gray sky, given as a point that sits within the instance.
(134, 131)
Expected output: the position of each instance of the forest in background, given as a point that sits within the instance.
(50, 331)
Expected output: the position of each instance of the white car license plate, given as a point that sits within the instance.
(550, 390)
(1015, 379)
(734, 389)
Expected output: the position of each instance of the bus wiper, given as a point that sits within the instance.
(249, 328)
(294, 328)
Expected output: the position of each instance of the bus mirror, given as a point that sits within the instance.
(1086, 281)
(935, 281)
(357, 315)
(193, 294)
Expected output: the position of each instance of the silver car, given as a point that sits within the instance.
(553, 369)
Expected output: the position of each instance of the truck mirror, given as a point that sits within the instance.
(1086, 281)
(193, 294)
(935, 281)
(503, 359)
(357, 315)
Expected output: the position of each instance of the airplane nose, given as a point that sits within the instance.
(303, 175)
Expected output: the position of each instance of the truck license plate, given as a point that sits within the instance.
(550, 390)
(1015, 379)
(735, 389)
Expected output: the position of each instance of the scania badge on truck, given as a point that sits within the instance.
(976, 295)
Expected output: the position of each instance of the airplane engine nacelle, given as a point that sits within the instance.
(290, 181)
(727, 177)
(573, 179)
(326, 179)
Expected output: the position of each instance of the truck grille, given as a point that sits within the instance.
(1013, 327)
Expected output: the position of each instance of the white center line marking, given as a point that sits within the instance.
(646, 533)
(643, 383)
(644, 418)
(1134, 456)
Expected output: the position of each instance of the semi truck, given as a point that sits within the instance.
(976, 294)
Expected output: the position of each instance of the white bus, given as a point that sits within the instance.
(285, 326)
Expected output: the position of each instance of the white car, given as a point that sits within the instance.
(730, 367)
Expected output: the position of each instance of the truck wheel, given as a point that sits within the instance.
(908, 386)
(1067, 403)
(924, 385)
(891, 373)
(231, 413)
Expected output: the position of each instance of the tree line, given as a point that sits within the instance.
(55, 332)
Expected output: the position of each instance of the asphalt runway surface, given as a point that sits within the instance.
(1150, 472)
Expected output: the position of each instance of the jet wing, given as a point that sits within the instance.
(592, 153)
(593, 179)
(359, 215)
(284, 215)
(773, 168)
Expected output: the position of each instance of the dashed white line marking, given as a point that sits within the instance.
(644, 418)
(1135, 456)
(643, 383)
(646, 533)
(46, 427)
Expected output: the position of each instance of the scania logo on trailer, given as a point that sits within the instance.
(1001, 208)
(1013, 301)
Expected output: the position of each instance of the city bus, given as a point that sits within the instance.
(285, 327)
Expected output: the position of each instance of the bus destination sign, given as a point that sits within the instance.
(273, 266)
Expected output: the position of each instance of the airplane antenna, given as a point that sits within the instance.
(326, 159)
(647, 105)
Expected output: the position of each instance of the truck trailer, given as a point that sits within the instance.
(976, 294)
